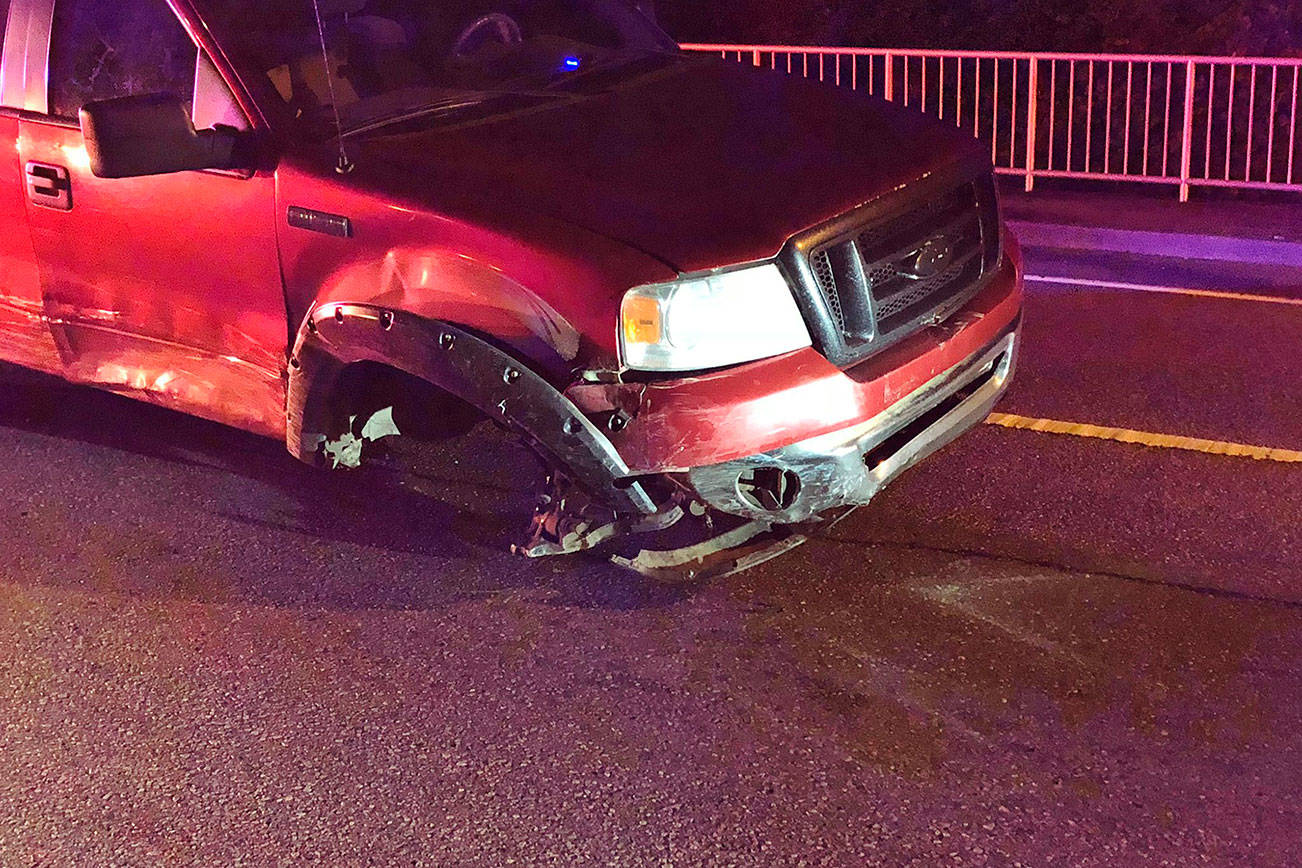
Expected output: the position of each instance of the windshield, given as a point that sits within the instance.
(397, 59)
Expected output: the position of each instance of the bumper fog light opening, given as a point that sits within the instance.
(771, 489)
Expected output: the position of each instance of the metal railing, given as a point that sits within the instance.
(1160, 119)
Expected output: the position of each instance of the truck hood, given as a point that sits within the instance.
(701, 164)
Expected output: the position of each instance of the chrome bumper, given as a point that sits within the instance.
(849, 467)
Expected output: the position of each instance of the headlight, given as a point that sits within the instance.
(711, 321)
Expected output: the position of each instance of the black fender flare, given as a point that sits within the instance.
(453, 359)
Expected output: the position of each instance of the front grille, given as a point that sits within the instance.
(826, 277)
(882, 281)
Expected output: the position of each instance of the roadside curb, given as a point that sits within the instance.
(1173, 245)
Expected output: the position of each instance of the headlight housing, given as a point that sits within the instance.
(711, 321)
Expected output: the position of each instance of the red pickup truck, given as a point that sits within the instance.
(704, 294)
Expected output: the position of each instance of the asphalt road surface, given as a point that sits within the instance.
(1035, 648)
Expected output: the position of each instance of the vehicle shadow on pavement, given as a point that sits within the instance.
(258, 526)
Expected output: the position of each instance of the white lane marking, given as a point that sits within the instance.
(1165, 290)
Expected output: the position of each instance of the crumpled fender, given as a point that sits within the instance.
(456, 288)
(337, 334)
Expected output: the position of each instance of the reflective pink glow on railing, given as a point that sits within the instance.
(1164, 119)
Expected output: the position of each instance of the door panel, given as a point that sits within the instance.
(24, 335)
(167, 287)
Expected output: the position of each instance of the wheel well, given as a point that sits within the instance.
(325, 390)
(420, 409)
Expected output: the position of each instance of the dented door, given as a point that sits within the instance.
(24, 336)
(165, 287)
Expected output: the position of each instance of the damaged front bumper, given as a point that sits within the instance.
(850, 466)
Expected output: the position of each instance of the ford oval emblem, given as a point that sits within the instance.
(928, 260)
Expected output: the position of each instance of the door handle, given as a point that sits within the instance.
(49, 186)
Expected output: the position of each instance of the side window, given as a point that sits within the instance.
(213, 101)
(104, 50)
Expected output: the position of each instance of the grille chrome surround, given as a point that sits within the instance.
(871, 278)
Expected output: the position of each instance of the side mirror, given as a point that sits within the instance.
(133, 136)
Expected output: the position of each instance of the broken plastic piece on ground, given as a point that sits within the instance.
(346, 450)
(679, 544)
(380, 425)
(728, 553)
(739, 549)
(568, 521)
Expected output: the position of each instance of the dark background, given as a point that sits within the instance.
(1239, 27)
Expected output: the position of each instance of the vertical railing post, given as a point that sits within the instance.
(1186, 148)
(1032, 119)
(1150, 90)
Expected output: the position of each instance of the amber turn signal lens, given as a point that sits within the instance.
(642, 323)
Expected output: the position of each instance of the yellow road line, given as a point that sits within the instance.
(1165, 290)
(1144, 438)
